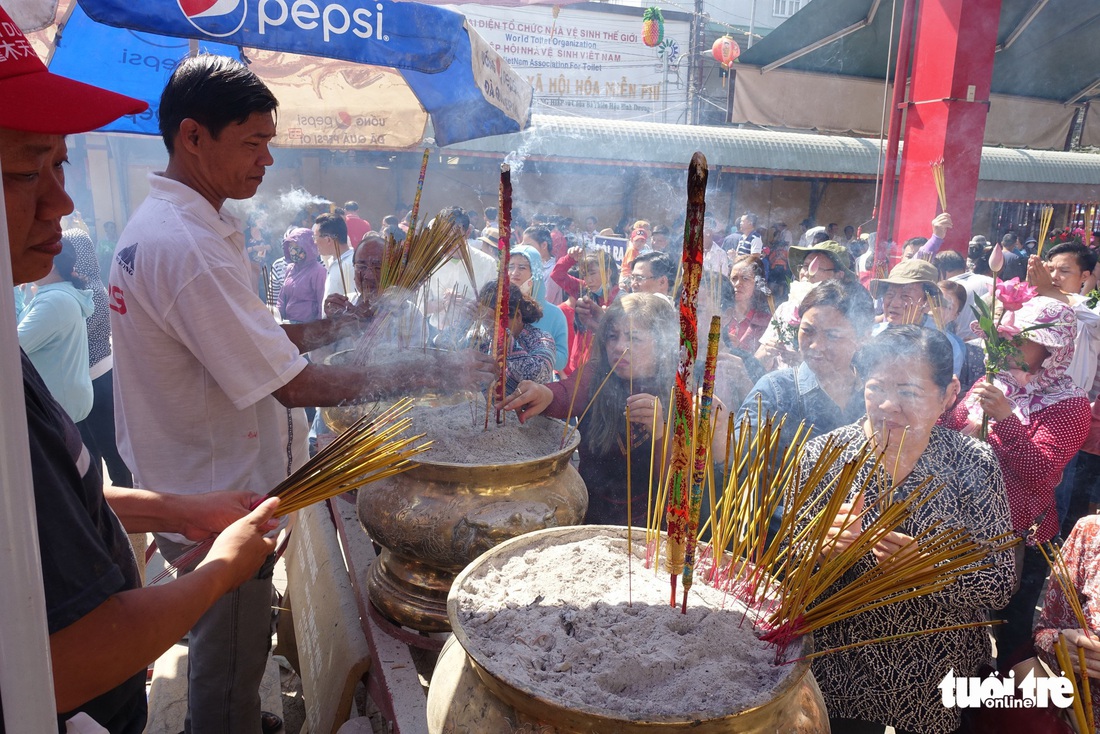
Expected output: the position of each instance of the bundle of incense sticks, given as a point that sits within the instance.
(423, 252)
(789, 582)
(502, 317)
(934, 309)
(372, 448)
(1082, 694)
(941, 187)
(1045, 215)
(683, 413)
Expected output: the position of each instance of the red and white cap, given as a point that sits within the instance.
(37, 101)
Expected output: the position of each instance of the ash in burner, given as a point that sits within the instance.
(554, 620)
(458, 435)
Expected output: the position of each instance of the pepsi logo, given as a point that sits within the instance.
(215, 18)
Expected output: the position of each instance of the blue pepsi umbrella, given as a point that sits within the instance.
(459, 80)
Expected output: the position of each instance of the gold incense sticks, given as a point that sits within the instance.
(1069, 669)
(1045, 215)
(372, 448)
(941, 187)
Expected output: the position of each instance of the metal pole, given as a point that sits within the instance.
(664, 97)
(695, 84)
(26, 681)
(752, 24)
(890, 171)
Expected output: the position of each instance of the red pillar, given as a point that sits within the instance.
(949, 93)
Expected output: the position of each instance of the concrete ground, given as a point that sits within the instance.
(281, 691)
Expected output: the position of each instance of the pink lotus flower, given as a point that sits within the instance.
(1013, 294)
(997, 258)
(1008, 331)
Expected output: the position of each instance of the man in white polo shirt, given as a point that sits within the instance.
(208, 388)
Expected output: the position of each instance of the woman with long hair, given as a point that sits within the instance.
(749, 315)
(635, 349)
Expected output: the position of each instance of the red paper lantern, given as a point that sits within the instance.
(725, 51)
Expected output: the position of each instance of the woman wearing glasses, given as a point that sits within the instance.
(813, 264)
(632, 367)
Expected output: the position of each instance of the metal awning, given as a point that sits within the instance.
(736, 150)
(1046, 48)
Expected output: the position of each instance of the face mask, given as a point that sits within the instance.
(1021, 377)
(526, 286)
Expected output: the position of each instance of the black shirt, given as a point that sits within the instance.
(86, 556)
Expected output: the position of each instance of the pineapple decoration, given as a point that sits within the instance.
(653, 27)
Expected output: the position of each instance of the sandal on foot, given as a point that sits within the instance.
(270, 723)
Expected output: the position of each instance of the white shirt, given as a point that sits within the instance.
(197, 354)
(716, 259)
(452, 276)
(807, 238)
(976, 286)
(333, 283)
(1083, 367)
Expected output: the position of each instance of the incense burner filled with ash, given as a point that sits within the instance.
(570, 630)
(473, 489)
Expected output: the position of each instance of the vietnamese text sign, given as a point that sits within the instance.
(586, 62)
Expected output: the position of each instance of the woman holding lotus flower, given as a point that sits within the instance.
(1037, 420)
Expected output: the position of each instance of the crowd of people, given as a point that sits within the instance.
(187, 384)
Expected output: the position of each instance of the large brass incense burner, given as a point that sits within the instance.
(436, 518)
(469, 692)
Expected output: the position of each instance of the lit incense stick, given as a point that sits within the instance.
(702, 454)
(684, 418)
(941, 187)
(419, 190)
(503, 320)
(1045, 215)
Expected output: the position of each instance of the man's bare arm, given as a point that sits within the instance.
(325, 385)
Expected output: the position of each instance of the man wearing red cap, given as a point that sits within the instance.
(104, 629)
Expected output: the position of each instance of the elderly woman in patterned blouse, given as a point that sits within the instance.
(1082, 556)
(907, 373)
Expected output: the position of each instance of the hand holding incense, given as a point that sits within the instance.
(683, 420)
